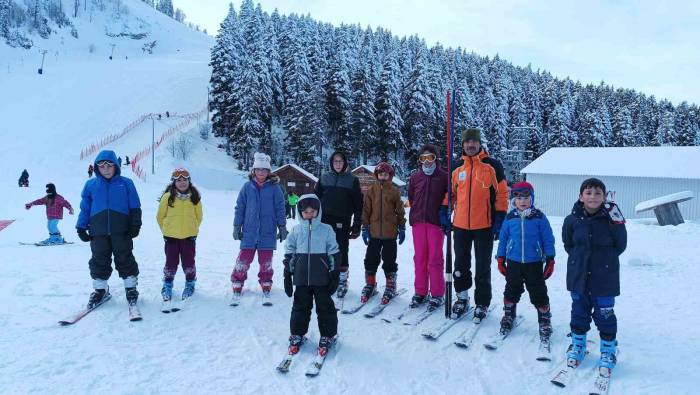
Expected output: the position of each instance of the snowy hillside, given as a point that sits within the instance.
(211, 348)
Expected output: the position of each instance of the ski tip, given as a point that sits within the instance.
(64, 323)
(558, 384)
(544, 359)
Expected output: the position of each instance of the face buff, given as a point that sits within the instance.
(429, 169)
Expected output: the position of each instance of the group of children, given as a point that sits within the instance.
(110, 217)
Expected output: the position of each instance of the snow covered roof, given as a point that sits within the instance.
(672, 198)
(654, 162)
(397, 181)
(299, 169)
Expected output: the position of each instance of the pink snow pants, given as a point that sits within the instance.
(245, 258)
(428, 259)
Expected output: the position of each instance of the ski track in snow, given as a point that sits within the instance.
(210, 347)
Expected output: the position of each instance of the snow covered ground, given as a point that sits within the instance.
(212, 348)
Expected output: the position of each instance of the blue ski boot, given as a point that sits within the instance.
(189, 289)
(577, 350)
(167, 290)
(608, 351)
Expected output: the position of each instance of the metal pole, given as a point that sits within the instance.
(153, 145)
(43, 55)
(448, 261)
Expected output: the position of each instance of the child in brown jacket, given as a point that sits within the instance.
(383, 221)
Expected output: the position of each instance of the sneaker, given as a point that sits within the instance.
(188, 291)
(460, 306)
(96, 297)
(167, 290)
(132, 296)
(417, 301)
(295, 342)
(480, 312)
(435, 302)
(577, 349)
(608, 357)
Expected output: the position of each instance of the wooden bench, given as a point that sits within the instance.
(666, 207)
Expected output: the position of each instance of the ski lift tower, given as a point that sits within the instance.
(516, 156)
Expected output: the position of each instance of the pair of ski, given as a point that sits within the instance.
(377, 309)
(134, 312)
(169, 307)
(42, 244)
(415, 320)
(315, 365)
(601, 383)
(465, 339)
(236, 299)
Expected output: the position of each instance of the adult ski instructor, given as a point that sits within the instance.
(341, 203)
(480, 199)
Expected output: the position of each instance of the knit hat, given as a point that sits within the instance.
(50, 189)
(261, 161)
(471, 134)
(522, 189)
(430, 148)
(384, 167)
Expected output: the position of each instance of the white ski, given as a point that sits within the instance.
(315, 366)
(134, 313)
(380, 307)
(166, 306)
(602, 382)
(467, 337)
(235, 299)
(266, 299)
(422, 316)
(497, 340)
(436, 332)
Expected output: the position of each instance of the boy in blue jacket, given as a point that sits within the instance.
(526, 255)
(110, 218)
(594, 236)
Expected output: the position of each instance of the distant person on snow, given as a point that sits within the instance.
(127, 160)
(55, 204)
(24, 179)
(110, 218)
(311, 257)
(526, 256)
(594, 236)
(383, 222)
(179, 216)
(258, 223)
(91, 169)
(119, 161)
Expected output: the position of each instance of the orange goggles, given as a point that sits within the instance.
(426, 158)
(180, 174)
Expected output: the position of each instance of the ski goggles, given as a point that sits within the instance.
(521, 193)
(105, 164)
(426, 158)
(180, 174)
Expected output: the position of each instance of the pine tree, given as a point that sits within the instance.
(339, 101)
(623, 131)
(4, 18)
(166, 7)
(363, 126)
(666, 133)
(418, 109)
(388, 111)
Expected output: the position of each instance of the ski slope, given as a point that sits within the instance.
(211, 347)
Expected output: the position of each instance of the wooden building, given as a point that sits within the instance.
(295, 179)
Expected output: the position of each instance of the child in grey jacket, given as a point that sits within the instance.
(309, 265)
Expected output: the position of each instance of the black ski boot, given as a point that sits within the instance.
(96, 298)
(544, 318)
(390, 290)
(508, 317)
(132, 296)
(461, 305)
(417, 301)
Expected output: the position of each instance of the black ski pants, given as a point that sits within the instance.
(385, 250)
(341, 226)
(520, 275)
(304, 297)
(482, 239)
(119, 245)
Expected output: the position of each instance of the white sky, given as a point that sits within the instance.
(649, 46)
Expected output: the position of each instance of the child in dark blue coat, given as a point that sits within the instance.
(594, 236)
(526, 257)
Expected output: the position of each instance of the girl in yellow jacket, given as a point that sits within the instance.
(179, 216)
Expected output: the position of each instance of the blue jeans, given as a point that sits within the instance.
(52, 225)
(599, 308)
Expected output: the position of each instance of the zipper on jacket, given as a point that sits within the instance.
(469, 207)
(522, 239)
(308, 257)
(381, 210)
(109, 214)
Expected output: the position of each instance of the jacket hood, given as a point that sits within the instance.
(345, 159)
(110, 156)
(317, 219)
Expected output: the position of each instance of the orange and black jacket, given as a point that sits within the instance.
(479, 192)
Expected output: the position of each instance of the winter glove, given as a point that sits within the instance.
(444, 220)
(548, 267)
(355, 230)
(497, 223)
(365, 235)
(402, 234)
(282, 232)
(288, 284)
(83, 235)
(238, 232)
(28, 206)
(501, 265)
(134, 231)
(333, 282)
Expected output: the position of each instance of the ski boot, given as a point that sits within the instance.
(461, 305)
(577, 350)
(544, 318)
(55, 238)
(370, 287)
(608, 354)
(417, 301)
(132, 296)
(480, 312)
(237, 288)
(295, 342)
(96, 297)
(188, 291)
(390, 290)
(435, 302)
(342, 285)
(509, 309)
(324, 344)
(167, 290)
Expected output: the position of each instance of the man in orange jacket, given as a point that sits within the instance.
(480, 199)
